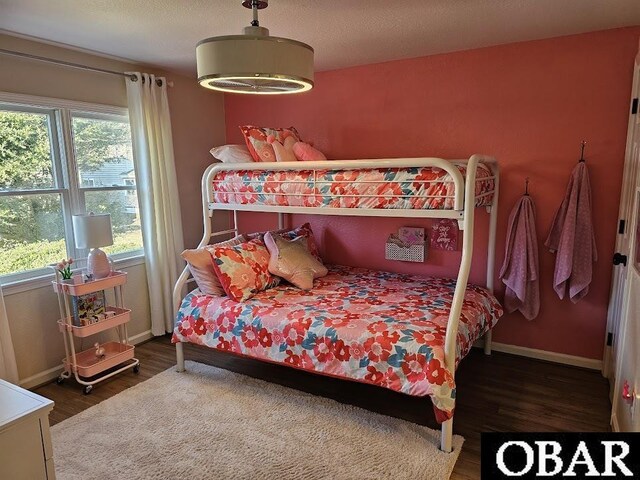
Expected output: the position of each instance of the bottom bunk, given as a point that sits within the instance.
(387, 329)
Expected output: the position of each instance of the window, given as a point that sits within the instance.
(56, 161)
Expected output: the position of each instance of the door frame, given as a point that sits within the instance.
(623, 237)
(633, 271)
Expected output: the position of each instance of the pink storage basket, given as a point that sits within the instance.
(89, 365)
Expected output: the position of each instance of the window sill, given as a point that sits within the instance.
(33, 283)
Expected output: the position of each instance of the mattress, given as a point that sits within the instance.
(388, 188)
(382, 328)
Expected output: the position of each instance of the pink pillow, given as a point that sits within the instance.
(256, 140)
(199, 261)
(291, 260)
(283, 151)
(301, 231)
(307, 153)
(243, 270)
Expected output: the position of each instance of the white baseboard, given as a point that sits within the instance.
(44, 377)
(590, 363)
(40, 378)
(141, 337)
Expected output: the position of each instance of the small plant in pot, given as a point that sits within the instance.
(64, 268)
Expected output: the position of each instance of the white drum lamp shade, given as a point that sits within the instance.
(255, 63)
(94, 231)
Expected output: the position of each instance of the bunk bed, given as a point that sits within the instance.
(453, 313)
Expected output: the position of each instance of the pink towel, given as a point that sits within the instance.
(573, 239)
(519, 271)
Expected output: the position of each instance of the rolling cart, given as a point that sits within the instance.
(94, 365)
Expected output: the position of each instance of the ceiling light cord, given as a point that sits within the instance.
(254, 8)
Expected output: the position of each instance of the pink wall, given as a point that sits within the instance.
(528, 104)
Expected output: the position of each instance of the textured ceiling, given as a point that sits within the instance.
(342, 32)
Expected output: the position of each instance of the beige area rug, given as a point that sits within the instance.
(209, 423)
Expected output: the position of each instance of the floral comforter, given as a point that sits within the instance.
(382, 328)
(390, 188)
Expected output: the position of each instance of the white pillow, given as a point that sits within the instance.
(232, 154)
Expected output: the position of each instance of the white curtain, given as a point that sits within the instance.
(8, 368)
(157, 192)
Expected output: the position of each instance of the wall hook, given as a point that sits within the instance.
(582, 145)
(526, 186)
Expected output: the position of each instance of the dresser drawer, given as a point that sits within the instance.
(25, 441)
(21, 451)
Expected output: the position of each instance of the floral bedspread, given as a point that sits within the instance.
(391, 188)
(382, 328)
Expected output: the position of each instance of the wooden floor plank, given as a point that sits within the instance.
(500, 392)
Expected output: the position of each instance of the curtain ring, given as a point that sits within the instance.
(159, 82)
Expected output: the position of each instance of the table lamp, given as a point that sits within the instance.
(94, 231)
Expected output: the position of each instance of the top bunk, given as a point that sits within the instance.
(399, 187)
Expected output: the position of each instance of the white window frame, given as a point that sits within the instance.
(66, 178)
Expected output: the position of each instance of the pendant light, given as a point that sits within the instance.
(255, 63)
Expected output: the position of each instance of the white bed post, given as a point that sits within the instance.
(178, 293)
(487, 343)
(491, 251)
(179, 357)
(461, 287)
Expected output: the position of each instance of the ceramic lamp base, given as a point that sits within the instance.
(98, 264)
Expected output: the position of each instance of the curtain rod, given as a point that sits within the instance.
(79, 66)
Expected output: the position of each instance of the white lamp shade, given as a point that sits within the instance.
(92, 231)
(255, 64)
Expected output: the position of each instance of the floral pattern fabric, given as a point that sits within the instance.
(386, 329)
(391, 188)
(243, 269)
(256, 140)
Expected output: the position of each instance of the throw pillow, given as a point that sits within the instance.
(243, 270)
(301, 231)
(232, 154)
(291, 260)
(199, 261)
(256, 140)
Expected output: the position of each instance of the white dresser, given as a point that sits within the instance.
(25, 441)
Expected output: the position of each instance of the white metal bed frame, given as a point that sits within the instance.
(463, 211)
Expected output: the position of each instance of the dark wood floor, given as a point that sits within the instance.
(495, 393)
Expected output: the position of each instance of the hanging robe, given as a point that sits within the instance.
(520, 268)
(572, 238)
